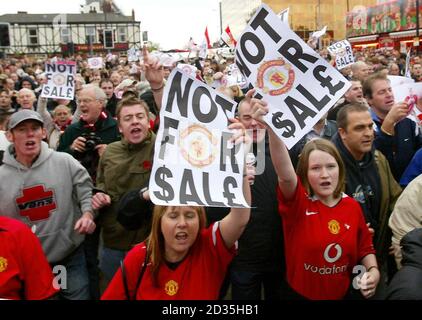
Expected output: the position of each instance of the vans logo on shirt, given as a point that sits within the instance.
(36, 203)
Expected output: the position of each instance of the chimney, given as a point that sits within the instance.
(133, 14)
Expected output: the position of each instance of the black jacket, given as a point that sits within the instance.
(261, 243)
(400, 148)
(407, 282)
(362, 181)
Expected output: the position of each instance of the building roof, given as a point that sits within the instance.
(72, 18)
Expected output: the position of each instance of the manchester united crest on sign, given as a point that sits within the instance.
(275, 77)
(198, 146)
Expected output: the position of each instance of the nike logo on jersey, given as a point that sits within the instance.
(310, 213)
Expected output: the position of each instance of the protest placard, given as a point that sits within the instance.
(343, 53)
(299, 86)
(60, 80)
(399, 80)
(194, 161)
(95, 63)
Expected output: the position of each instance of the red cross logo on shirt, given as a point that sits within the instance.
(36, 203)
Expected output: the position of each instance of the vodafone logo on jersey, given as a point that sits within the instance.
(36, 203)
(332, 254)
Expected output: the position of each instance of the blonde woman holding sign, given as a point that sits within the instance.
(324, 229)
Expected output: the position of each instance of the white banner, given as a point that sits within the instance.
(95, 63)
(60, 80)
(399, 80)
(299, 86)
(194, 161)
(343, 53)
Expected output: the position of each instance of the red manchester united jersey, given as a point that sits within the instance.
(198, 276)
(24, 270)
(322, 244)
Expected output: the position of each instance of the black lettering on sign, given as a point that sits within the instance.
(297, 55)
(259, 21)
(287, 125)
(167, 137)
(326, 81)
(70, 81)
(187, 180)
(242, 66)
(294, 106)
(207, 187)
(230, 181)
(226, 152)
(196, 101)
(226, 105)
(46, 90)
(254, 59)
(319, 104)
(176, 90)
(161, 175)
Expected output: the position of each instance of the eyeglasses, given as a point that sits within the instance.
(84, 101)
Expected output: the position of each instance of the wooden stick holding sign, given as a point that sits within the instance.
(195, 161)
(299, 86)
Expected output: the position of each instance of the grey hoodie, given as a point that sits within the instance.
(49, 197)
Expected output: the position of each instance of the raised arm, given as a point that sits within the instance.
(233, 225)
(287, 178)
(45, 115)
(155, 75)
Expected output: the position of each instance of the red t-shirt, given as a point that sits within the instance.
(24, 270)
(198, 277)
(322, 244)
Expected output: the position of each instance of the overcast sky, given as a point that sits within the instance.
(169, 22)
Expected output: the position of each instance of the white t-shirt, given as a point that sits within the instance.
(4, 143)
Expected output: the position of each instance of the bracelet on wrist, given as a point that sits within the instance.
(157, 89)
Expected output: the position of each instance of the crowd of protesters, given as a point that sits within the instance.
(85, 162)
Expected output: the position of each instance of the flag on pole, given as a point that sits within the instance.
(207, 38)
(232, 40)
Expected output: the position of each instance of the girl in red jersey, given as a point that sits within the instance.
(326, 238)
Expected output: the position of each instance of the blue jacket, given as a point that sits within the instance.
(400, 148)
(413, 169)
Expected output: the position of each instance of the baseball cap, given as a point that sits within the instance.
(126, 83)
(23, 115)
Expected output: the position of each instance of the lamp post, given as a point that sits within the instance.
(416, 42)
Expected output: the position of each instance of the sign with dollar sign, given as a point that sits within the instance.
(288, 125)
(195, 161)
(296, 82)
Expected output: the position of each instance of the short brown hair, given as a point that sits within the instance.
(303, 164)
(369, 82)
(131, 101)
(342, 115)
(155, 241)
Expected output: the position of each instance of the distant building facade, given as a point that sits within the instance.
(73, 33)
